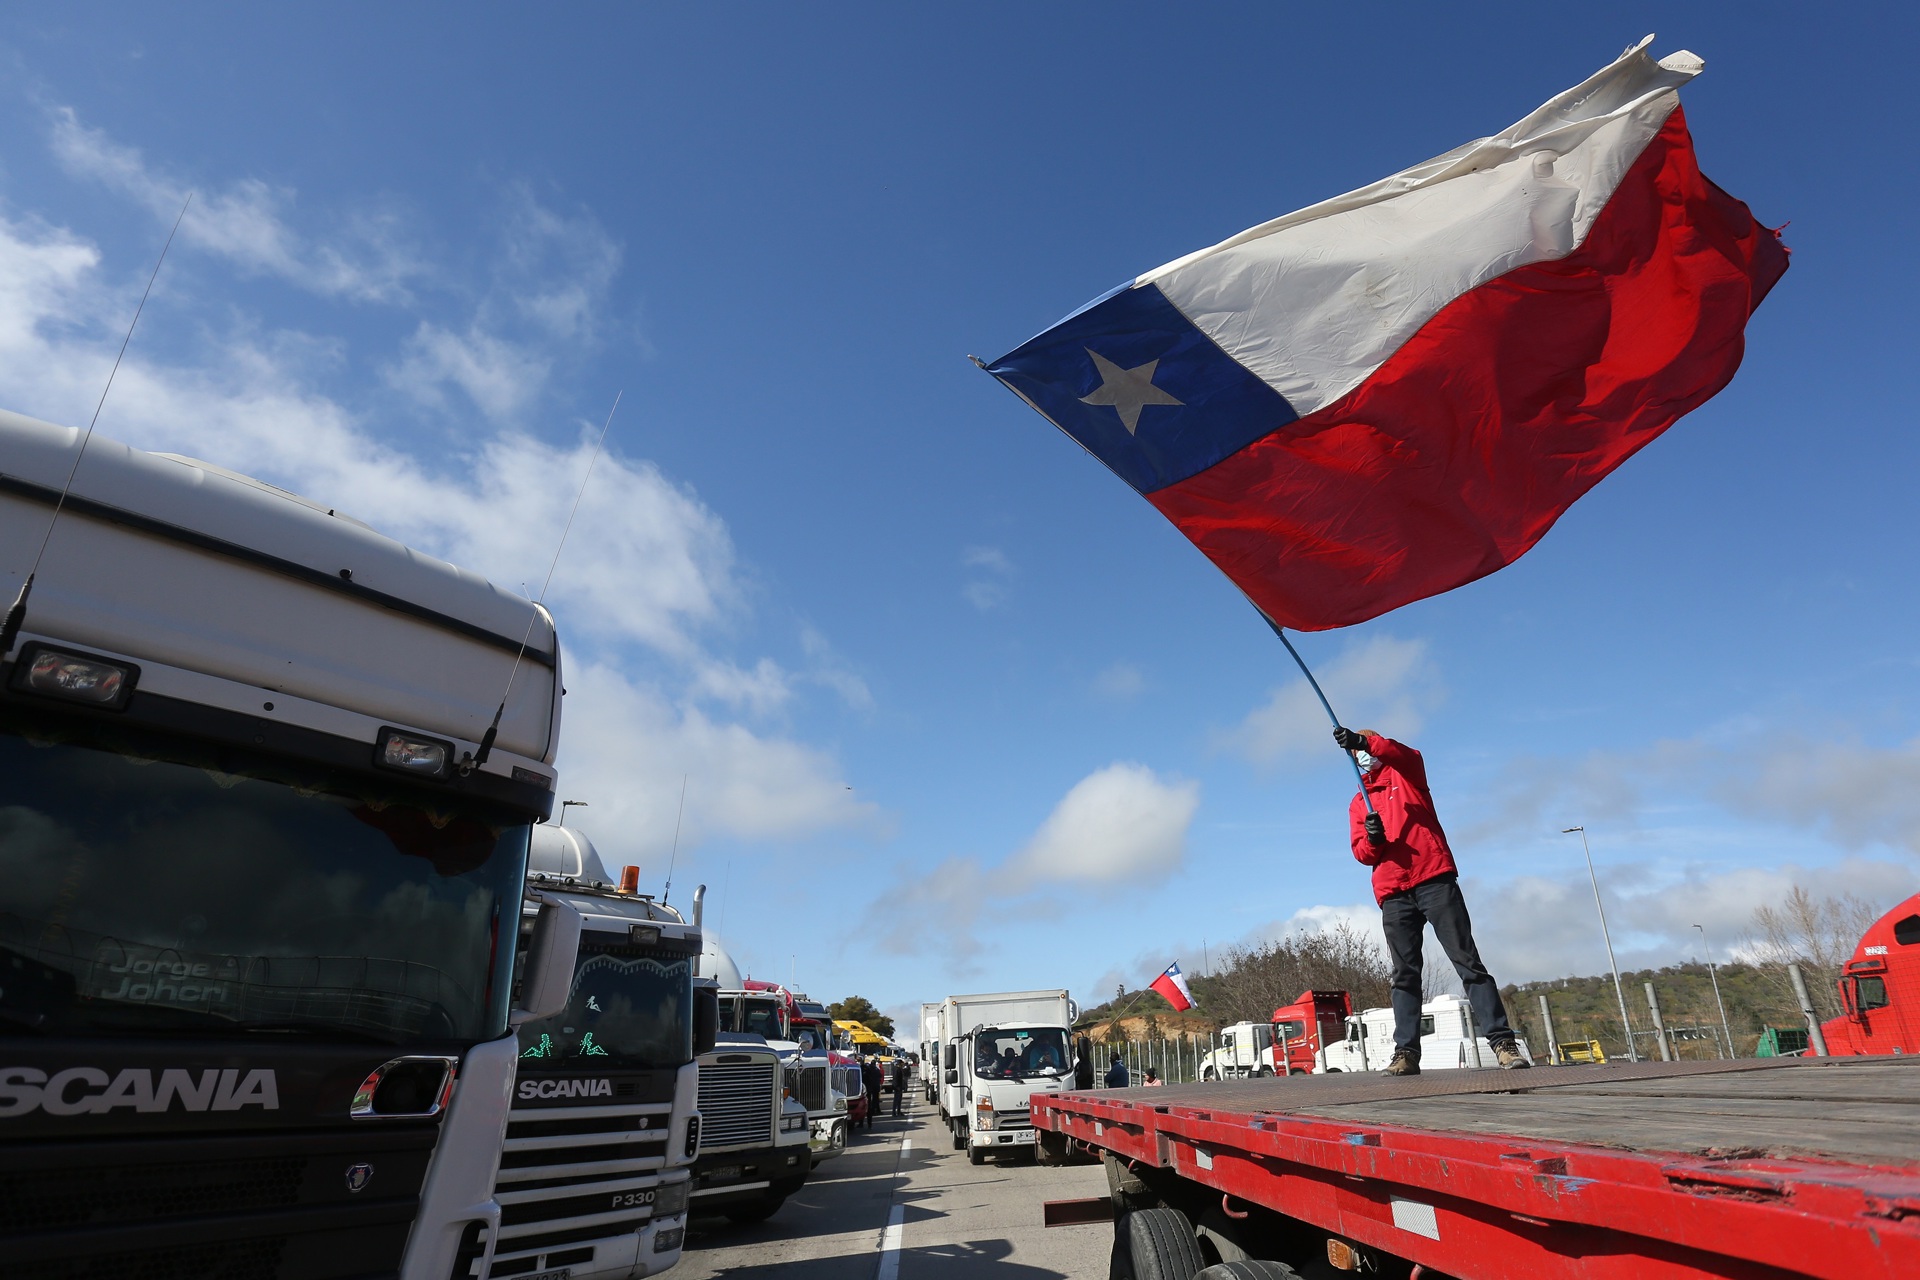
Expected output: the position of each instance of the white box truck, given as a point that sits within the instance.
(930, 1050)
(595, 1176)
(1002, 1048)
(259, 889)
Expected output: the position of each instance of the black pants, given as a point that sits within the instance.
(899, 1096)
(1405, 916)
(873, 1105)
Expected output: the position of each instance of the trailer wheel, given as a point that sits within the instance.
(1248, 1269)
(1159, 1245)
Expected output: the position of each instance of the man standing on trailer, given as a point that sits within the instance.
(1416, 884)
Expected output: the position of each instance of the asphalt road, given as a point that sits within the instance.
(950, 1219)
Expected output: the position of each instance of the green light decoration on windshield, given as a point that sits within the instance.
(542, 1050)
(588, 1049)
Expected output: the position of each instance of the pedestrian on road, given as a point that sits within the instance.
(1083, 1064)
(870, 1076)
(899, 1085)
(1117, 1074)
(1416, 884)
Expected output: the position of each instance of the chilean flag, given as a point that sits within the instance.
(1394, 392)
(1172, 987)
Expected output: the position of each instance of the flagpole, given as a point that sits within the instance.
(1358, 777)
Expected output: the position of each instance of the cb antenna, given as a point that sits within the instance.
(10, 629)
(493, 730)
(671, 857)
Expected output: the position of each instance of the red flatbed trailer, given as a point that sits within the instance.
(1756, 1168)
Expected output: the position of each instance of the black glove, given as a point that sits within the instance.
(1376, 830)
(1348, 740)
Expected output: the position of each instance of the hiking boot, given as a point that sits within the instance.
(1509, 1057)
(1405, 1063)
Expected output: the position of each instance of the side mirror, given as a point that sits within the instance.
(952, 1060)
(546, 984)
(953, 1077)
(706, 1019)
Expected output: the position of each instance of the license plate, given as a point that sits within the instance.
(558, 1273)
(725, 1173)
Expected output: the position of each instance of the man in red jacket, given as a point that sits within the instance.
(1416, 884)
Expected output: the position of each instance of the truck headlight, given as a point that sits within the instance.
(789, 1123)
(75, 677)
(414, 753)
(983, 1118)
(672, 1197)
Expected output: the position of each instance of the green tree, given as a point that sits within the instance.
(860, 1009)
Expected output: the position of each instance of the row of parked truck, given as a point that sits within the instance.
(297, 978)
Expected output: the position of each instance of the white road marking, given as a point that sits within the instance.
(906, 1143)
(890, 1244)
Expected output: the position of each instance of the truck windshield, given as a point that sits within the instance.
(1016, 1053)
(762, 1018)
(151, 887)
(631, 1008)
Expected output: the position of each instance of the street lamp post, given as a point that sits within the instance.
(1633, 1055)
(1714, 974)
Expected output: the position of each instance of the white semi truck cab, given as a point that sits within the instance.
(1447, 1040)
(261, 870)
(595, 1177)
(1008, 1046)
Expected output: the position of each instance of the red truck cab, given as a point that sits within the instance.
(1302, 1029)
(1880, 989)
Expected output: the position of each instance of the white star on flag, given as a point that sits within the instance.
(1127, 390)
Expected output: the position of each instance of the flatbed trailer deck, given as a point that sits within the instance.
(1756, 1168)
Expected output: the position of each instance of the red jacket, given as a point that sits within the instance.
(1416, 849)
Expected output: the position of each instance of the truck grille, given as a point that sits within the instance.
(252, 1207)
(736, 1104)
(565, 1173)
(813, 1087)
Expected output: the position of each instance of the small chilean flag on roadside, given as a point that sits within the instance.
(1397, 391)
(1172, 986)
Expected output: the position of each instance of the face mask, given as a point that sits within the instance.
(1365, 761)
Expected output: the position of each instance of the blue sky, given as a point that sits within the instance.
(955, 709)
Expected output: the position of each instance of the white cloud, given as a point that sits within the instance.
(501, 378)
(628, 746)
(245, 222)
(989, 588)
(1382, 683)
(1117, 825)
(1120, 682)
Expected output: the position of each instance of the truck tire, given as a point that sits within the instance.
(1264, 1073)
(1207, 1073)
(959, 1137)
(1126, 1190)
(1159, 1245)
(837, 1140)
(976, 1155)
(1248, 1269)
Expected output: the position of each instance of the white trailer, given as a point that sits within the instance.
(1000, 1050)
(1445, 1040)
(259, 876)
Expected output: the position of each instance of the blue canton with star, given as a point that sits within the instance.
(1142, 389)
